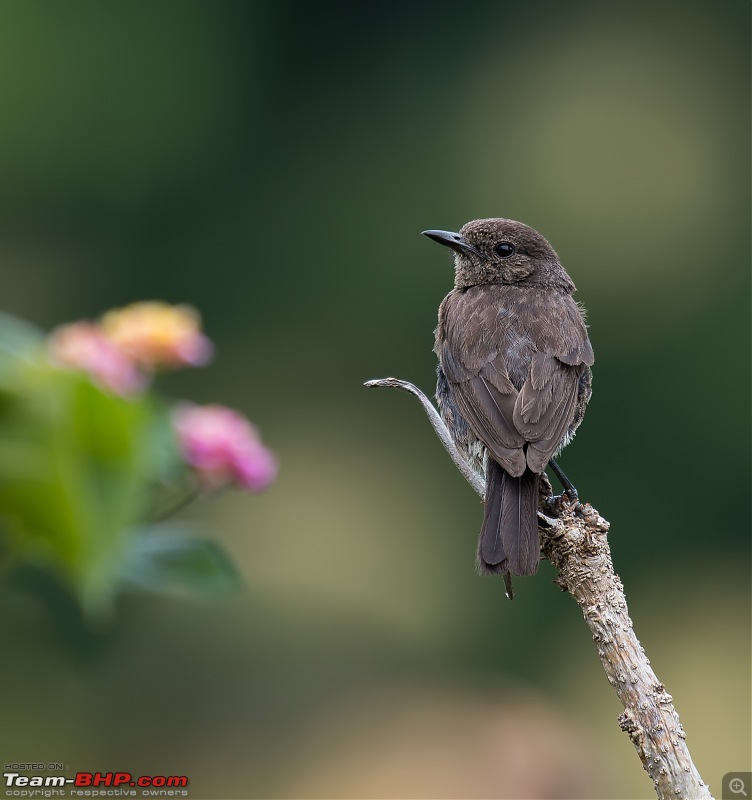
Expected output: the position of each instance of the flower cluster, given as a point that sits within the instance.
(159, 335)
(223, 447)
(122, 350)
(127, 346)
(106, 448)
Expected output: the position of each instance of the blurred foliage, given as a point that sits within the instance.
(80, 472)
(274, 163)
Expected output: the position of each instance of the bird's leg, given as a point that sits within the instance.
(569, 489)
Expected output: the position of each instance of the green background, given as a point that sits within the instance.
(272, 163)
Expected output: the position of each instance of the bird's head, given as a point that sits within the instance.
(503, 251)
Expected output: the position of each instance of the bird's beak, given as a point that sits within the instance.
(454, 240)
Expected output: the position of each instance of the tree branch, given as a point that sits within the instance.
(475, 479)
(574, 539)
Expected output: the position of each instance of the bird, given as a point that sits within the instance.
(513, 377)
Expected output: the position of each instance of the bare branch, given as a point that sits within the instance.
(574, 539)
(475, 479)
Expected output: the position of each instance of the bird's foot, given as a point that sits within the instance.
(559, 503)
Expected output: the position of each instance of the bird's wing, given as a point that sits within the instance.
(581, 353)
(545, 406)
(479, 382)
(489, 413)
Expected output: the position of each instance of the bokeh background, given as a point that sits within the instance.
(273, 163)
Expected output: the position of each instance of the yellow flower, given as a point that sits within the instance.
(156, 334)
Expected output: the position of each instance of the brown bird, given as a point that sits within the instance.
(513, 376)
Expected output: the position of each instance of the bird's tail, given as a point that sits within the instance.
(508, 540)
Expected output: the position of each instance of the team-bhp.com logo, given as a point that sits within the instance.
(85, 784)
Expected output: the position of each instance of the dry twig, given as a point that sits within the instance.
(574, 539)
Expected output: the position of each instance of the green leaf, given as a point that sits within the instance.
(72, 477)
(166, 558)
(17, 336)
(20, 341)
(164, 461)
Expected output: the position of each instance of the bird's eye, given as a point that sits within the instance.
(504, 249)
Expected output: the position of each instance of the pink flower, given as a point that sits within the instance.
(83, 345)
(223, 447)
(156, 334)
